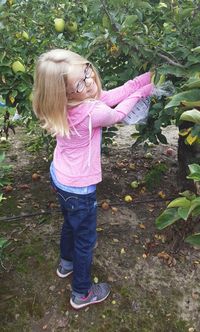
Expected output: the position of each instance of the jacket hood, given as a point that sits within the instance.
(78, 113)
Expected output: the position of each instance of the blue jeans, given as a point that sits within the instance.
(78, 235)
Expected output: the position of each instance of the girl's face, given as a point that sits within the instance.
(81, 83)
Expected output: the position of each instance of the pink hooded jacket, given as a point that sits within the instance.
(77, 159)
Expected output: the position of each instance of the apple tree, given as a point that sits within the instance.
(123, 39)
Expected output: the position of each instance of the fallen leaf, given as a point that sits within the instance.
(195, 295)
(132, 166)
(122, 251)
(161, 194)
(8, 188)
(142, 226)
(99, 229)
(114, 209)
(24, 186)
(163, 255)
(191, 329)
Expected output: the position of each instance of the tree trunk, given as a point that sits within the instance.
(187, 154)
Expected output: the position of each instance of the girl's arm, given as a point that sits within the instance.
(103, 115)
(115, 96)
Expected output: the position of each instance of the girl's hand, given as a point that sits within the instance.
(146, 90)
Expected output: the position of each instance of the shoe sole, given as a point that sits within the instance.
(63, 275)
(80, 306)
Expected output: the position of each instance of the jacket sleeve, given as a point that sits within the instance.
(115, 96)
(103, 115)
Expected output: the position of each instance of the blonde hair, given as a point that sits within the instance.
(50, 102)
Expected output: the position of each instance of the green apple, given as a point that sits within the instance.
(134, 184)
(59, 24)
(30, 97)
(106, 22)
(71, 26)
(149, 155)
(25, 35)
(18, 66)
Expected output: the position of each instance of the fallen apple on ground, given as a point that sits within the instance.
(134, 184)
(59, 24)
(170, 152)
(36, 176)
(128, 198)
(105, 206)
(71, 26)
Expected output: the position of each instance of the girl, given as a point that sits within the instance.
(71, 105)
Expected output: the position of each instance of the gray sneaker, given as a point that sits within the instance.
(62, 272)
(98, 293)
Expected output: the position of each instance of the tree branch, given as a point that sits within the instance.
(170, 61)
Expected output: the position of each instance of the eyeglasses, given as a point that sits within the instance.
(81, 84)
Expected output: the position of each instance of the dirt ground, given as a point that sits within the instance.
(154, 275)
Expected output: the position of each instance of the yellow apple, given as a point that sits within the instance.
(59, 24)
(128, 198)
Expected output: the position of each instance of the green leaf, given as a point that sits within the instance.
(196, 211)
(176, 100)
(191, 115)
(195, 204)
(184, 212)
(188, 194)
(194, 168)
(168, 217)
(179, 202)
(130, 20)
(2, 156)
(192, 83)
(3, 242)
(162, 138)
(194, 176)
(193, 239)
(196, 49)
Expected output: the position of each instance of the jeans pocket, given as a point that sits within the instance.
(70, 203)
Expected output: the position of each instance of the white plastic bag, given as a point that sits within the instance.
(139, 113)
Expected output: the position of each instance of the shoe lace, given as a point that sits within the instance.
(96, 289)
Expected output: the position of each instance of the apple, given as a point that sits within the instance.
(106, 22)
(128, 198)
(71, 26)
(59, 24)
(105, 206)
(36, 177)
(25, 35)
(169, 152)
(8, 188)
(18, 66)
(134, 184)
(149, 155)
(30, 97)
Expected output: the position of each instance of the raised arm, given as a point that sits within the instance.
(115, 96)
(103, 115)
